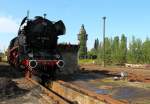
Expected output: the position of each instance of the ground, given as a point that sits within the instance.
(15, 89)
(135, 74)
(135, 89)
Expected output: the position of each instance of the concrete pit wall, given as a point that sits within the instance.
(80, 95)
(70, 57)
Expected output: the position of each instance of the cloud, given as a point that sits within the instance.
(8, 25)
(8, 30)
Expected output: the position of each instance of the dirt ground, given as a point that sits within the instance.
(135, 89)
(134, 74)
(15, 89)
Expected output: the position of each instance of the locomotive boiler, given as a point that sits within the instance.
(34, 49)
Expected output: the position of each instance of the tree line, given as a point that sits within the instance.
(117, 52)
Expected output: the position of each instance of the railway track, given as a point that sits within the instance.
(48, 93)
(66, 93)
(58, 92)
(16, 89)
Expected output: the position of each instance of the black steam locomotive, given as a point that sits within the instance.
(34, 50)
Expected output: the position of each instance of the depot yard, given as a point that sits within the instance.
(106, 82)
(134, 89)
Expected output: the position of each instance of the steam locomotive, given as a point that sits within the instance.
(34, 49)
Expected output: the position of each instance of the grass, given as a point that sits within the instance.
(86, 61)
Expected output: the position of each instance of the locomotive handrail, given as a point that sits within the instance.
(14, 48)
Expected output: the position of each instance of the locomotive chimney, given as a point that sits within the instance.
(45, 15)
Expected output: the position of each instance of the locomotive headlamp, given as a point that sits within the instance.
(60, 64)
(32, 63)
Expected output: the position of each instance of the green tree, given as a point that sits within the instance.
(146, 51)
(123, 50)
(108, 59)
(115, 52)
(96, 44)
(100, 53)
(135, 51)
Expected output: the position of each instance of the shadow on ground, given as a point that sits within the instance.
(9, 72)
(85, 75)
(10, 90)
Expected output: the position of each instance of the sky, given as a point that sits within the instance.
(129, 17)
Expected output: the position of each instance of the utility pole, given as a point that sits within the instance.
(104, 18)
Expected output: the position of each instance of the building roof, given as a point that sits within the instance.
(82, 30)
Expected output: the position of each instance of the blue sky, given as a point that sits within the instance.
(131, 17)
